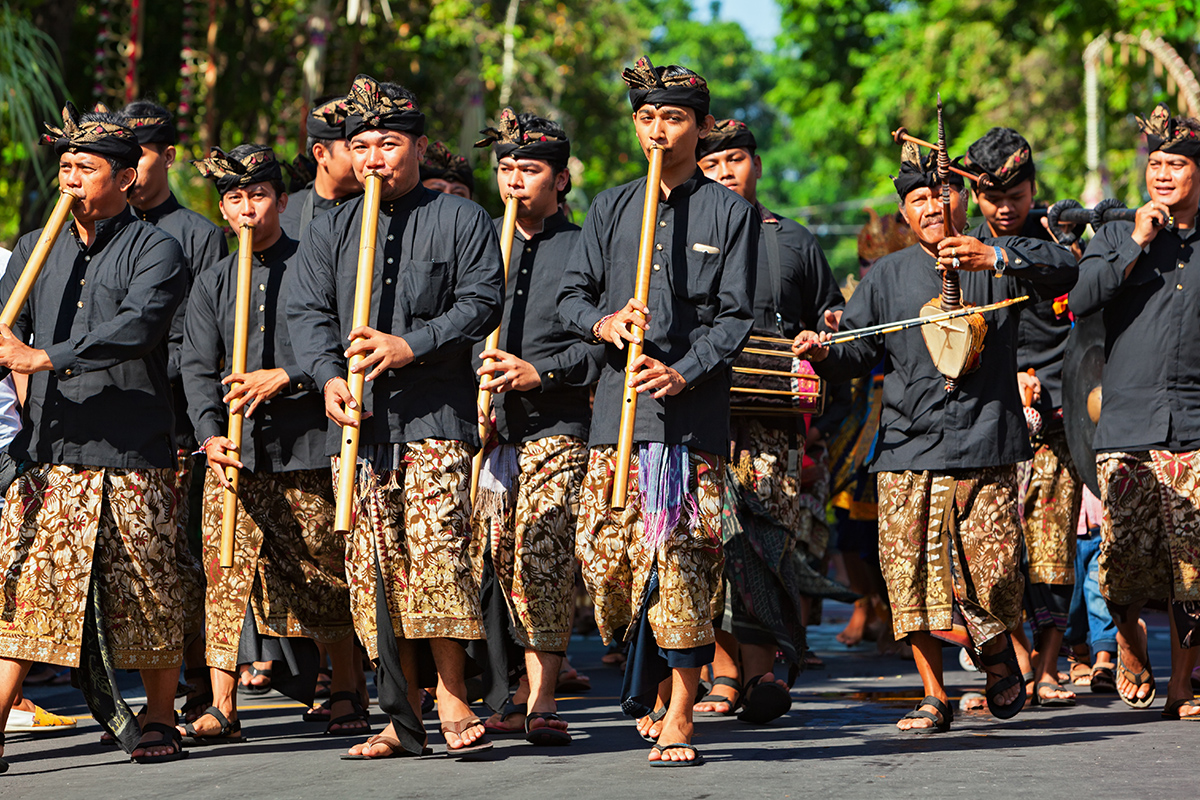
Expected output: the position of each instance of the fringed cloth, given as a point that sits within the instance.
(950, 549)
(1150, 533)
(523, 551)
(655, 566)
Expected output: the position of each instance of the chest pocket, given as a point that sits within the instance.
(700, 279)
(428, 288)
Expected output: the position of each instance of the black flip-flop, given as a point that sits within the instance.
(712, 697)
(655, 716)
(1007, 658)
(397, 750)
(764, 702)
(357, 713)
(230, 733)
(545, 736)
(252, 690)
(171, 736)
(941, 720)
(1051, 702)
(3, 763)
(662, 748)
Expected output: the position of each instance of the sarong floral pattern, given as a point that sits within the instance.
(1150, 534)
(288, 564)
(417, 520)
(616, 565)
(64, 526)
(533, 543)
(951, 540)
(191, 571)
(1051, 512)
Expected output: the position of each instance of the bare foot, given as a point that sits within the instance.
(717, 706)
(452, 709)
(852, 634)
(378, 748)
(341, 708)
(674, 731)
(1134, 664)
(650, 727)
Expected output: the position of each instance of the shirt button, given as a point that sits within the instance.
(658, 247)
(82, 281)
(262, 308)
(662, 224)
(1181, 265)
(390, 260)
(262, 287)
(390, 237)
(656, 267)
(1179, 286)
(524, 272)
(1018, 261)
(387, 281)
(67, 371)
(262, 327)
(87, 258)
(520, 292)
(549, 374)
(80, 304)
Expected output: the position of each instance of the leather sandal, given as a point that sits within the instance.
(458, 727)
(941, 720)
(764, 702)
(545, 735)
(733, 702)
(1007, 658)
(358, 713)
(230, 733)
(170, 738)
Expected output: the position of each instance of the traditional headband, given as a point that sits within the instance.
(107, 139)
(648, 86)
(229, 173)
(727, 134)
(511, 139)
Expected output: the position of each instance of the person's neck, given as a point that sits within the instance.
(154, 201)
(531, 226)
(674, 175)
(389, 194)
(1185, 214)
(269, 242)
(929, 247)
(325, 186)
(86, 229)
(996, 232)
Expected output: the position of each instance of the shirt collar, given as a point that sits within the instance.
(688, 187)
(153, 215)
(283, 249)
(766, 214)
(549, 225)
(407, 202)
(106, 229)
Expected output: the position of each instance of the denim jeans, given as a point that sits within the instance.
(1089, 619)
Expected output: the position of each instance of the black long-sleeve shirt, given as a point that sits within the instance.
(531, 330)
(286, 432)
(1042, 333)
(701, 304)
(292, 218)
(102, 314)
(1152, 325)
(924, 427)
(438, 284)
(203, 246)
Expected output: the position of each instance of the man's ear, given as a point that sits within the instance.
(561, 179)
(281, 202)
(169, 156)
(126, 177)
(757, 166)
(706, 125)
(422, 145)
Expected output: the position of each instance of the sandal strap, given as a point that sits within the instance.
(732, 683)
(346, 697)
(169, 731)
(458, 727)
(946, 711)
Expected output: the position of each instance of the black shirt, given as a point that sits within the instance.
(1152, 324)
(293, 216)
(531, 330)
(924, 427)
(203, 246)
(701, 304)
(286, 432)
(1042, 333)
(805, 289)
(438, 284)
(102, 314)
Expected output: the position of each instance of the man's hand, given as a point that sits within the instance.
(833, 320)
(20, 357)
(651, 375)
(221, 453)
(508, 373)
(618, 328)
(1030, 387)
(382, 351)
(972, 254)
(811, 345)
(256, 387)
(337, 400)
(1150, 219)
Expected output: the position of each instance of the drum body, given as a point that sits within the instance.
(775, 384)
(956, 345)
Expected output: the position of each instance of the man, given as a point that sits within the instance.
(1149, 430)
(203, 246)
(335, 182)
(1004, 192)
(656, 565)
(288, 573)
(438, 275)
(88, 534)
(443, 171)
(526, 508)
(795, 291)
(949, 534)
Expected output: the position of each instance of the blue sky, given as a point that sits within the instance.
(759, 18)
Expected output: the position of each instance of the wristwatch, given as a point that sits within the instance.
(999, 265)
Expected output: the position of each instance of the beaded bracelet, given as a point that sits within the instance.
(596, 328)
(204, 447)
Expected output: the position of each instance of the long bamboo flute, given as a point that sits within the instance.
(508, 231)
(37, 259)
(886, 327)
(348, 463)
(241, 331)
(641, 292)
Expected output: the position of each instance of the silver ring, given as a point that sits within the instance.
(955, 263)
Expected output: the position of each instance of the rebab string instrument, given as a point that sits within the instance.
(241, 331)
(348, 462)
(641, 293)
(508, 232)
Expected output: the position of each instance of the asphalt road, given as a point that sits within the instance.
(838, 741)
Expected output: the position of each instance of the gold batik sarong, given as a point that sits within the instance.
(64, 526)
(288, 564)
(951, 539)
(616, 565)
(417, 520)
(1150, 533)
(1051, 511)
(533, 541)
(191, 571)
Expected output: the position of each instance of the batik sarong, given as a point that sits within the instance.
(288, 564)
(951, 541)
(191, 571)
